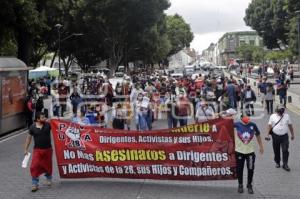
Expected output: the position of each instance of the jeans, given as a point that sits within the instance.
(143, 125)
(232, 102)
(170, 121)
(56, 111)
(249, 108)
(283, 143)
(240, 161)
(282, 100)
(35, 181)
(269, 104)
(183, 122)
(149, 119)
(63, 109)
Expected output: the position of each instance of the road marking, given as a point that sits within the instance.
(11, 137)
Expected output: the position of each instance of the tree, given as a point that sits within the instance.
(123, 28)
(179, 33)
(258, 54)
(279, 55)
(29, 26)
(292, 32)
(269, 19)
(155, 44)
(245, 52)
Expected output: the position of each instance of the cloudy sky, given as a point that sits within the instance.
(210, 19)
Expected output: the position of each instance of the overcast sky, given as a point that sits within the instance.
(210, 19)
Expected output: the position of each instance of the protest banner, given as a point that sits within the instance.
(203, 151)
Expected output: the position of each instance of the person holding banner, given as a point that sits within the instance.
(244, 141)
(42, 153)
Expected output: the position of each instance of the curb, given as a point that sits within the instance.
(12, 134)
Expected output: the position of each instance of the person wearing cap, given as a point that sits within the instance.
(245, 147)
(278, 127)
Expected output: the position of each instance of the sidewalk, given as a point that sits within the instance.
(293, 92)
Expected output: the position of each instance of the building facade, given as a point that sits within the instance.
(209, 53)
(229, 42)
(179, 60)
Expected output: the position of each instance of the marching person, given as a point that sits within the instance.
(282, 92)
(42, 153)
(119, 116)
(183, 109)
(249, 98)
(204, 112)
(269, 97)
(279, 125)
(244, 140)
(262, 87)
(63, 91)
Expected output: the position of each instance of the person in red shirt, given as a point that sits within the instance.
(183, 109)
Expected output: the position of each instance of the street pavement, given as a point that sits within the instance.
(269, 182)
(293, 91)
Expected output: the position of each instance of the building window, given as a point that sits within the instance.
(231, 44)
(242, 42)
(252, 42)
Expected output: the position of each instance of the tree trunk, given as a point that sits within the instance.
(24, 42)
(53, 58)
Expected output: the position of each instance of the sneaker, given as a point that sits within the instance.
(286, 167)
(250, 189)
(48, 183)
(240, 189)
(277, 165)
(34, 188)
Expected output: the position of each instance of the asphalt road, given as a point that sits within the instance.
(269, 182)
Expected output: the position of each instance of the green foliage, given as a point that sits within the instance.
(250, 53)
(279, 55)
(269, 19)
(118, 30)
(179, 33)
(276, 22)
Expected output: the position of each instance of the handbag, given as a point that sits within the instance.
(271, 130)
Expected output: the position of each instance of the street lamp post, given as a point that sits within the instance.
(58, 26)
(298, 20)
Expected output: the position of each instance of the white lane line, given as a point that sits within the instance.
(11, 137)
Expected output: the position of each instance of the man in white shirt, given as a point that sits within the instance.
(279, 126)
(204, 112)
